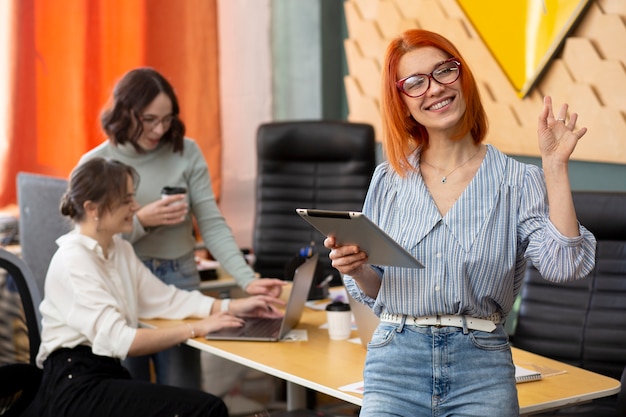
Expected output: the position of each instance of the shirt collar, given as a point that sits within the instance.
(468, 215)
(75, 237)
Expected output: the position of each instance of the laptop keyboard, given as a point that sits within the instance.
(262, 327)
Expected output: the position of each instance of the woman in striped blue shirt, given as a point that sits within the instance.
(473, 216)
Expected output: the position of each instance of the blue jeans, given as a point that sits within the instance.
(448, 371)
(179, 366)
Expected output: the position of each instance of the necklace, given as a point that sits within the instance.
(444, 179)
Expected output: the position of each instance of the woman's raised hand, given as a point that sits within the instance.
(556, 133)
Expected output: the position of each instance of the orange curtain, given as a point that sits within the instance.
(69, 55)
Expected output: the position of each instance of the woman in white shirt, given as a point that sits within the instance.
(96, 289)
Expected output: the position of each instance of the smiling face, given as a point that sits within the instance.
(120, 218)
(156, 119)
(442, 106)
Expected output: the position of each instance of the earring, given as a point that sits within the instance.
(96, 219)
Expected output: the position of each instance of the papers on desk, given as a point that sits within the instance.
(296, 335)
(356, 387)
(526, 375)
(545, 371)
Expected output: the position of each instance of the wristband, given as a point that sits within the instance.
(224, 305)
(193, 332)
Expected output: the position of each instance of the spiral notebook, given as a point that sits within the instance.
(526, 375)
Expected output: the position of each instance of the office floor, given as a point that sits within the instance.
(258, 391)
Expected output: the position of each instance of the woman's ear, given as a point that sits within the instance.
(91, 209)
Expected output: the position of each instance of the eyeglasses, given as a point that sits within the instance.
(150, 122)
(416, 85)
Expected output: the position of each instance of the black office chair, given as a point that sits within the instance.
(19, 382)
(583, 323)
(40, 222)
(306, 164)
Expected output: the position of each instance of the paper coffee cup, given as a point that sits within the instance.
(339, 319)
(168, 191)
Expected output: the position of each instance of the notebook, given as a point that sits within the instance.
(364, 318)
(272, 330)
(526, 375)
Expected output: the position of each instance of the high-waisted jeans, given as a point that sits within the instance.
(439, 371)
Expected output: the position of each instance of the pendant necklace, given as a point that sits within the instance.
(444, 179)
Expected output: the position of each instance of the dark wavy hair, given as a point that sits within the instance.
(131, 95)
(103, 181)
(401, 133)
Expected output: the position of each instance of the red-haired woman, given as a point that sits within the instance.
(473, 216)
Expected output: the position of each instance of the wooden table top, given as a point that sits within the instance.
(326, 365)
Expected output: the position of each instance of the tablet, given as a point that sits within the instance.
(354, 228)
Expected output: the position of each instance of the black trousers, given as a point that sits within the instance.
(77, 383)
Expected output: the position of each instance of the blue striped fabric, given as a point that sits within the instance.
(475, 256)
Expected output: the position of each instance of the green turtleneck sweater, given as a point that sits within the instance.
(162, 167)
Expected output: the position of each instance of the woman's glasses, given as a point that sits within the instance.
(150, 122)
(416, 85)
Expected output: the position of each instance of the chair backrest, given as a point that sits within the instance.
(41, 222)
(16, 270)
(306, 164)
(583, 322)
(19, 386)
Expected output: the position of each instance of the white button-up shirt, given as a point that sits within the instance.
(96, 301)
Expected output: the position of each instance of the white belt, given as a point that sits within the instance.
(484, 325)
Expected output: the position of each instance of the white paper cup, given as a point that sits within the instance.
(169, 191)
(339, 319)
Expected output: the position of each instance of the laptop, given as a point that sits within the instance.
(364, 318)
(272, 330)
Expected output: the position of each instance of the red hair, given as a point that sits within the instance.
(401, 133)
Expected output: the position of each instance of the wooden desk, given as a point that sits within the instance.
(575, 385)
(324, 365)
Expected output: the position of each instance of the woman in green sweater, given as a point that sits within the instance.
(145, 131)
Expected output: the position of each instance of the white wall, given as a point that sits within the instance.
(246, 102)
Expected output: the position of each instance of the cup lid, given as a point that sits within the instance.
(173, 190)
(338, 306)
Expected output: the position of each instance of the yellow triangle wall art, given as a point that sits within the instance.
(523, 35)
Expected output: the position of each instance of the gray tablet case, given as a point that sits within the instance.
(351, 227)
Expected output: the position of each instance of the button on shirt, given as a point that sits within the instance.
(474, 256)
(96, 301)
